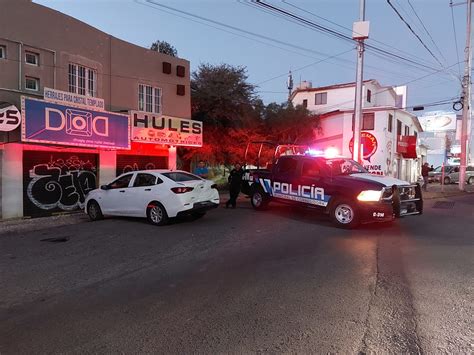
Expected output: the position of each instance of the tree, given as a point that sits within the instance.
(164, 47)
(221, 95)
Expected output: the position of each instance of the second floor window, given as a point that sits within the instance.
(82, 80)
(305, 103)
(390, 122)
(149, 98)
(321, 98)
(3, 52)
(407, 131)
(369, 95)
(32, 58)
(32, 83)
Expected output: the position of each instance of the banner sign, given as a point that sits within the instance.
(406, 146)
(72, 99)
(10, 118)
(159, 129)
(47, 122)
(438, 122)
(369, 144)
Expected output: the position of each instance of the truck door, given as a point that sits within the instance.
(285, 176)
(315, 187)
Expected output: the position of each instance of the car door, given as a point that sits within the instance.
(314, 188)
(143, 190)
(114, 199)
(454, 175)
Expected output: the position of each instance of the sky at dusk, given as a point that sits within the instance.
(268, 45)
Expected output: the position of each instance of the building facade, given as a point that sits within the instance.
(48, 58)
(388, 132)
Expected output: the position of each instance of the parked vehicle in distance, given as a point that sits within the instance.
(436, 174)
(155, 194)
(453, 176)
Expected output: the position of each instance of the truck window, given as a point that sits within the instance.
(286, 165)
(310, 169)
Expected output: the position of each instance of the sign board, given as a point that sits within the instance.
(369, 143)
(438, 122)
(72, 99)
(159, 129)
(10, 118)
(406, 146)
(47, 122)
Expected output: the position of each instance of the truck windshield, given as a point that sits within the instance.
(341, 166)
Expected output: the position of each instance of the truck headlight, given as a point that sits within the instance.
(369, 196)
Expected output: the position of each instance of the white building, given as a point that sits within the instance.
(389, 133)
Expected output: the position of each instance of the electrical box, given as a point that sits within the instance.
(360, 30)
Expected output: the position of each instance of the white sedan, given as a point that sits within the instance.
(154, 194)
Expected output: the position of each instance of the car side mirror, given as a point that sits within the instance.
(105, 187)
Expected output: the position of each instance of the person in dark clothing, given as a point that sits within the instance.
(425, 169)
(235, 181)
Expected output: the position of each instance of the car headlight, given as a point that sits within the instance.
(370, 195)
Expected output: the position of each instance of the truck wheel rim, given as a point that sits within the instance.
(156, 214)
(344, 214)
(257, 199)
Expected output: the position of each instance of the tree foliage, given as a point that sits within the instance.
(164, 47)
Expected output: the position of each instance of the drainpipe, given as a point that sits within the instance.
(20, 65)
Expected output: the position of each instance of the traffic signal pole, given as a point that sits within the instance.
(466, 112)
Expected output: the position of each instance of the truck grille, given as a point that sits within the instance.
(407, 200)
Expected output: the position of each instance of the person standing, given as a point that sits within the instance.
(425, 169)
(201, 170)
(235, 182)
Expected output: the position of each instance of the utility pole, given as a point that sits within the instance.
(289, 85)
(360, 32)
(466, 112)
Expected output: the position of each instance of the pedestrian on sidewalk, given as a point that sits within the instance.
(235, 182)
(425, 169)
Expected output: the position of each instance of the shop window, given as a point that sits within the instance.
(180, 71)
(32, 84)
(166, 68)
(180, 90)
(3, 52)
(82, 80)
(32, 58)
(390, 122)
(321, 98)
(149, 98)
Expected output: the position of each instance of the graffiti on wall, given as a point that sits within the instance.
(128, 163)
(55, 182)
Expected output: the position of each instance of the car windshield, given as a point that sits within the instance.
(341, 166)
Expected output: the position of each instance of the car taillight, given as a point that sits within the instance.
(214, 186)
(181, 190)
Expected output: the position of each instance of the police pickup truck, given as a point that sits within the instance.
(336, 186)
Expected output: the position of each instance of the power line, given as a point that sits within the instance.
(348, 29)
(414, 33)
(426, 30)
(455, 37)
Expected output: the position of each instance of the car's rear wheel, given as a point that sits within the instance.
(447, 180)
(259, 199)
(344, 214)
(93, 211)
(156, 214)
(470, 181)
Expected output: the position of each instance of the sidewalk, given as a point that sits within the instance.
(436, 190)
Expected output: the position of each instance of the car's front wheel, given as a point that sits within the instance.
(470, 181)
(344, 214)
(447, 180)
(156, 214)
(93, 211)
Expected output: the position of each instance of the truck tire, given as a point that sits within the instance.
(344, 213)
(259, 199)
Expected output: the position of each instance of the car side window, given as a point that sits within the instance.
(310, 169)
(144, 180)
(121, 182)
(287, 166)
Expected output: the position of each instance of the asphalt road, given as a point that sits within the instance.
(240, 281)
